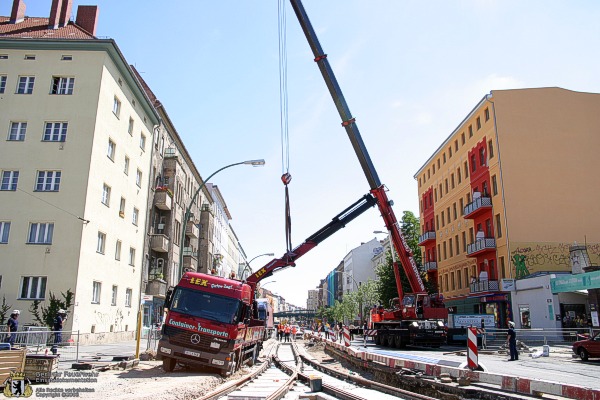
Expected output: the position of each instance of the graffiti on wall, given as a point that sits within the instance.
(105, 319)
(529, 258)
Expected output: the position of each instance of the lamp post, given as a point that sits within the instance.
(254, 163)
(247, 266)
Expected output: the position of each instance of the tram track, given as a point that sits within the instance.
(287, 374)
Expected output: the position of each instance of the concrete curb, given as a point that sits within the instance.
(526, 386)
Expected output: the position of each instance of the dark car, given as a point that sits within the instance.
(588, 348)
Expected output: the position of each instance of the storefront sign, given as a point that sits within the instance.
(464, 320)
(507, 285)
(571, 283)
(490, 299)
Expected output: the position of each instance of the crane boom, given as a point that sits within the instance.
(349, 123)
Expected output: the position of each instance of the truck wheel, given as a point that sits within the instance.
(252, 359)
(232, 366)
(398, 342)
(168, 364)
(390, 341)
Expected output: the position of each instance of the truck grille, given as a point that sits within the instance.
(182, 337)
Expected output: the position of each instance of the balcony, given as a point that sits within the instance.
(191, 230)
(477, 207)
(481, 246)
(426, 238)
(430, 266)
(190, 259)
(484, 286)
(160, 243)
(163, 200)
(156, 287)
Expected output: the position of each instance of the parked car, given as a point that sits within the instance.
(589, 347)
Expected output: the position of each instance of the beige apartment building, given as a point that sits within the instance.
(75, 159)
(507, 193)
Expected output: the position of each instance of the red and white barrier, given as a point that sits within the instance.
(346, 336)
(472, 355)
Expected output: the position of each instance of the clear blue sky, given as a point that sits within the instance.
(410, 72)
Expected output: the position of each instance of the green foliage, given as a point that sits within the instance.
(411, 229)
(45, 315)
(4, 310)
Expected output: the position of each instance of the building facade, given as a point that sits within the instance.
(494, 196)
(75, 164)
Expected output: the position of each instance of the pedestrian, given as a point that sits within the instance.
(287, 333)
(364, 332)
(511, 340)
(280, 332)
(13, 326)
(294, 333)
(326, 329)
(60, 318)
(483, 336)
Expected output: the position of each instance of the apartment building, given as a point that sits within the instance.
(75, 163)
(312, 301)
(506, 193)
(172, 243)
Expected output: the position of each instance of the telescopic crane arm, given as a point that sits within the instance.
(349, 123)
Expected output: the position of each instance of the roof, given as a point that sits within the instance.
(33, 27)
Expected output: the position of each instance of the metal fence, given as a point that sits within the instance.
(41, 340)
(152, 336)
(540, 336)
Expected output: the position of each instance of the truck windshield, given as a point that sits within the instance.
(207, 305)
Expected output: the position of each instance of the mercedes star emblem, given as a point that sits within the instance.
(195, 339)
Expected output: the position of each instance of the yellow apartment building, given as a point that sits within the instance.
(507, 193)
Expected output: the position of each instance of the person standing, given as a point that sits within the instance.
(13, 326)
(511, 340)
(287, 333)
(483, 336)
(58, 326)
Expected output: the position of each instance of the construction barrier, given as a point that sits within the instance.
(346, 336)
(472, 355)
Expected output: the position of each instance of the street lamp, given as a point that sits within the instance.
(254, 163)
(248, 262)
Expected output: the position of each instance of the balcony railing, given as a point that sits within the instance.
(191, 229)
(163, 200)
(481, 246)
(160, 243)
(476, 206)
(484, 286)
(426, 237)
(430, 266)
(190, 259)
(190, 252)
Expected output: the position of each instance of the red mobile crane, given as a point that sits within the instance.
(413, 317)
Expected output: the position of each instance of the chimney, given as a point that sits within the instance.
(54, 14)
(18, 11)
(65, 12)
(87, 18)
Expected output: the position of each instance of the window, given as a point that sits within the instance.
(473, 163)
(122, 208)
(126, 168)
(464, 242)
(143, 141)
(2, 83)
(448, 214)
(457, 244)
(17, 131)
(4, 231)
(459, 175)
(112, 148)
(96, 289)
(445, 253)
(55, 131)
(482, 156)
(446, 185)
(117, 107)
(66, 58)
(62, 85)
(113, 299)
(29, 57)
(486, 113)
(25, 85)
(462, 138)
(498, 226)
(461, 205)
(459, 278)
(478, 123)
(452, 181)
(138, 178)
(128, 294)
(443, 219)
(101, 242)
(454, 211)
(456, 145)
(444, 157)
(491, 148)
(502, 267)
(118, 250)
(450, 245)
(135, 216)
(48, 181)
(494, 185)
(33, 288)
(439, 254)
(9, 180)
(466, 169)
(40, 233)
(452, 285)
(131, 256)
(450, 151)
(130, 127)
(470, 131)
(106, 195)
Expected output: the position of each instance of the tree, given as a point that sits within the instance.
(4, 310)
(45, 315)
(411, 229)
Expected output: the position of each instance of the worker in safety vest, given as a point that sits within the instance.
(294, 330)
(287, 333)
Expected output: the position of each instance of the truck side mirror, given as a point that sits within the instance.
(169, 298)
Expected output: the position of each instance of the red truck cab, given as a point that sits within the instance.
(209, 324)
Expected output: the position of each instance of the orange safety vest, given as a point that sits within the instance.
(287, 329)
(294, 330)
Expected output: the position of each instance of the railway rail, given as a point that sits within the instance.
(287, 374)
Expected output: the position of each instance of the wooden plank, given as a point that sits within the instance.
(11, 360)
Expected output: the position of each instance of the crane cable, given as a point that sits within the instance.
(286, 178)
